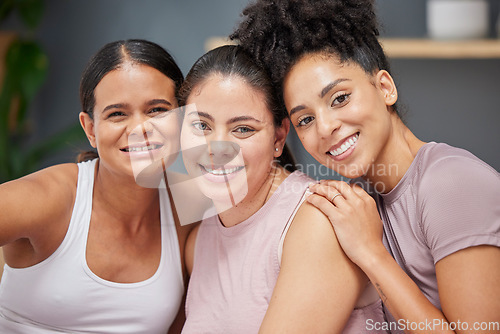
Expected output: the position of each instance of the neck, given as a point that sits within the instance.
(250, 205)
(123, 201)
(396, 157)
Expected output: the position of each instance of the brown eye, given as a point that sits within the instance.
(304, 121)
(341, 99)
(158, 110)
(116, 114)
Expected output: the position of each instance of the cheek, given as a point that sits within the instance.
(171, 135)
(106, 133)
(188, 139)
(259, 155)
(309, 140)
(193, 148)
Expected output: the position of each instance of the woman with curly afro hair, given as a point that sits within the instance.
(432, 249)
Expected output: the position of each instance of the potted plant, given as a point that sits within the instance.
(25, 66)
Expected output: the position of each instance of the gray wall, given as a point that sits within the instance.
(453, 101)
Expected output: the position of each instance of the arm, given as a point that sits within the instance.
(32, 208)
(180, 319)
(318, 285)
(189, 252)
(359, 229)
(469, 288)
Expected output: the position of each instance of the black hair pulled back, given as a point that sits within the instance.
(232, 60)
(111, 57)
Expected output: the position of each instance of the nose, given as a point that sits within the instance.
(140, 127)
(222, 152)
(327, 123)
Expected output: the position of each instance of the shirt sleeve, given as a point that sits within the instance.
(459, 201)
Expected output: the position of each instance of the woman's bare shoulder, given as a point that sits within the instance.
(35, 201)
(63, 176)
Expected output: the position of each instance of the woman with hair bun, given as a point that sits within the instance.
(433, 247)
(268, 262)
(87, 249)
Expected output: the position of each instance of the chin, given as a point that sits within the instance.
(351, 171)
(224, 195)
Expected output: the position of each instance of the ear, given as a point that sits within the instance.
(88, 126)
(280, 137)
(387, 86)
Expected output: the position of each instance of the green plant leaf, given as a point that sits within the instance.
(33, 67)
(9, 88)
(6, 7)
(61, 140)
(31, 12)
(16, 163)
(27, 67)
(13, 64)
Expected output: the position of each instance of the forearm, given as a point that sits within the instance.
(413, 312)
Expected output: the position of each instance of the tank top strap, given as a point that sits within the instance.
(170, 241)
(287, 226)
(76, 235)
(301, 181)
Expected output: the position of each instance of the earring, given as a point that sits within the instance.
(276, 149)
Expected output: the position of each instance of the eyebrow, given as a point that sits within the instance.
(126, 105)
(202, 114)
(324, 91)
(115, 106)
(297, 109)
(330, 86)
(242, 118)
(158, 101)
(230, 121)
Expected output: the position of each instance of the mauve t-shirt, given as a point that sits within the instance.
(448, 200)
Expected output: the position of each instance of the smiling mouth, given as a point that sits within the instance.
(345, 145)
(221, 171)
(141, 148)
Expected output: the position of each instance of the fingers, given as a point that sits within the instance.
(334, 197)
(329, 192)
(360, 192)
(324, 205)
(331, 187)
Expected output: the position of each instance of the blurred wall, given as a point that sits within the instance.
(453, 101)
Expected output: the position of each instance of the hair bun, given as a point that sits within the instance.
(278, 31)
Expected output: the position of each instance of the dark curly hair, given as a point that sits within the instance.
(278, 33)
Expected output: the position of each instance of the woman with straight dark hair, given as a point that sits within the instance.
(87, 249)
(267, 262)
(433, 248)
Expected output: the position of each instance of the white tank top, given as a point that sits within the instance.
(62, 295)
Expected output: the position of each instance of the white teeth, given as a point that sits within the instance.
(141, 148)
(222, 171)
(345, 146)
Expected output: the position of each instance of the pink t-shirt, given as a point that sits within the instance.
(448, 200)
(235, 269)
